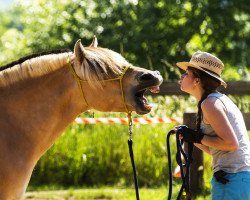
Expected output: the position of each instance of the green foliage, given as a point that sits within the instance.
(153, 34)
(243, 102)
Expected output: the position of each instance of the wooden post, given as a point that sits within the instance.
(197, 167)
(247, 120)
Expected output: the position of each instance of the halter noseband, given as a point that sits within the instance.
(120, 78)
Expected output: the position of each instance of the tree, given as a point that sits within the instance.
(154, 34)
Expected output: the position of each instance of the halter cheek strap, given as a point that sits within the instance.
(78, 80)
(120, 78)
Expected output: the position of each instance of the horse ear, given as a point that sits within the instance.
(94, 42)
(79, 51)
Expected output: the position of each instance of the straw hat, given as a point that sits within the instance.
(205, 62)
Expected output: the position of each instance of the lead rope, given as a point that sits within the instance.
(130, 146)
(170, 177)
(185, 174)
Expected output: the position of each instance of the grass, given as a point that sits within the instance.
(100, 193)
(106, 193)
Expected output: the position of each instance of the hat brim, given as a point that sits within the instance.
(185, 65)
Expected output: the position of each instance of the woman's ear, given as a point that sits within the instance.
(197, 81)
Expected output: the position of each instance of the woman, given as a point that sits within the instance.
(221, 130)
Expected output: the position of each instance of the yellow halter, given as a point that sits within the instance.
(120, 77)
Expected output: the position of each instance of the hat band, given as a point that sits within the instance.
(210, 71)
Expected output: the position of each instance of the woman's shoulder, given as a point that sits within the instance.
(216, 95)
(213, 109)
(213, 103)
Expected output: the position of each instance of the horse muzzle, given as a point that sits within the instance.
(150, 81)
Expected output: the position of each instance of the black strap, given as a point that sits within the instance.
(185, 174)
(220, 177)
(130, 146)
(170, 177)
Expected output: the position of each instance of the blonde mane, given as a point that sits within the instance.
(34, 67)
(99, 64)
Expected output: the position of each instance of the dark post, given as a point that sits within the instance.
(196, 171)
(247, 120)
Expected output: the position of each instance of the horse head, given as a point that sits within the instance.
(110, 83)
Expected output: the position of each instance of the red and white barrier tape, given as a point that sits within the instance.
(145, 120)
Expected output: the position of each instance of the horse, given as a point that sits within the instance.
(41, 94)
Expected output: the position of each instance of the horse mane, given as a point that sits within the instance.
(99, 64)
(33, 65)
(34, 55)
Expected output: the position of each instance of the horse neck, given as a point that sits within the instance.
(41, 109)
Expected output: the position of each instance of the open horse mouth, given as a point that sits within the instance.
(143, 106)
(141, 101)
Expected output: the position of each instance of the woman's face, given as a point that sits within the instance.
(188, 82)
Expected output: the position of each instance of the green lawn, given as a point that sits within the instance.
(106, 193)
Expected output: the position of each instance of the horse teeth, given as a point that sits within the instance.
(155, 89)
(148, 106)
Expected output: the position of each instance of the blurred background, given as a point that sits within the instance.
(153, 34)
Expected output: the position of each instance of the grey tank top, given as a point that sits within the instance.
(236, 161)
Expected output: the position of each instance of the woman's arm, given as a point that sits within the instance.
(214, 113)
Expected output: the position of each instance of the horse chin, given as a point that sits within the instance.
(142, 112)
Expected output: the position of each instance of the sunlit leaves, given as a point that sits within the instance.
(15, 45)
(145, 32)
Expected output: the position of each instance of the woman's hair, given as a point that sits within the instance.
(209, 84)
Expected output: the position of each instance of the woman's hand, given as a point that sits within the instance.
(188, 134)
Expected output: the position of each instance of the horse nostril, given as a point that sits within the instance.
(146, 77)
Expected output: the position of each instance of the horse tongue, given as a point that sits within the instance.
(155, 89)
